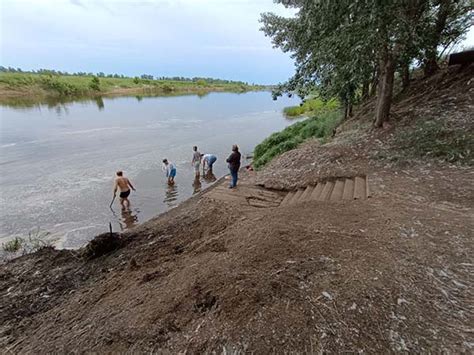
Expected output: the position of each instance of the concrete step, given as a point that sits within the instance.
(348, 193)
(296, 197)
(337, 191)
(307, 193)
(317, 191)
(287, 198)
(359, 188)
(327, 189)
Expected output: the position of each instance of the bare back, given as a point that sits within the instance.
(122, 183)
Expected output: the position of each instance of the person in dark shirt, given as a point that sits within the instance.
(234, 165)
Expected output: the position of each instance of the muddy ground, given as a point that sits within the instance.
(231, 271)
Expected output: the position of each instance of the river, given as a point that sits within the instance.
(58, 160)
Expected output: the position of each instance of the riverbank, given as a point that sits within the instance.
(32, 85)
(237, 271)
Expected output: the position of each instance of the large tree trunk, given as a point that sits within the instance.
(405, 74)
(431, 52)
(384, 90)
(365, 89)
(346, 110)
(431, 63)
(374, 83)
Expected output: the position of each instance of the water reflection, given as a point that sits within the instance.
(60, 103)
(209, 176)
(129, 218)
(197, 185)
(171, 195)
(99, 102)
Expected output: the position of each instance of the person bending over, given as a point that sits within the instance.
(208, 160)
(170, 170)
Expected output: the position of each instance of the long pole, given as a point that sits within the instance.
(112, 202)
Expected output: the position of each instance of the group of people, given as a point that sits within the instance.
(123, 184)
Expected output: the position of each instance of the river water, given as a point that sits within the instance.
(58, 160)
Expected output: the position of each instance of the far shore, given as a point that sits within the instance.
(39, 87)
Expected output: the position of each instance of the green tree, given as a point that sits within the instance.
(345, 45)
(445, 25)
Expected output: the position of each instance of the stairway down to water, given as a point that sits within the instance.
(331, 190)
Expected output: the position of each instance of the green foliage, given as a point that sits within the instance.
(14, 245)
(201, 82)
(311, 106)
(35, 241)
(319, 126)
(55, 84)
(167, 88)
(432, 139)
(61, 87)
(95, 84)
(341, 46)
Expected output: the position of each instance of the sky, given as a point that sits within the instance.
(207, 38)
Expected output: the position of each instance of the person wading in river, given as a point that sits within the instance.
(170, 170)
(196, 162)
(123, 184)
(234, 165)
(208, 160)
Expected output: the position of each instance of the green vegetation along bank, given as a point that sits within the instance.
(319, 126)
(311, 107)
(21, 84)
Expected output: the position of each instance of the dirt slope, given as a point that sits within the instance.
(223, 273)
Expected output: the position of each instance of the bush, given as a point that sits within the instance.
(95, 84)
(167, 88)
(311, 106)
(321, 126)
(62, 88)
(201, 82)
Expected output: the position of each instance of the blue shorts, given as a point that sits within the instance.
(172, 173)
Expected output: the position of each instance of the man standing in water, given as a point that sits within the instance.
(196, 161)
(123, 184)
(234, 165)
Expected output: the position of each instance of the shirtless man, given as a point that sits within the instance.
(123, 185)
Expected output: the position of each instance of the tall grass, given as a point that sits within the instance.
(318, 126)
(311, 106)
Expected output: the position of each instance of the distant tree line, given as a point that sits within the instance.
(354, 49)
(120, 76)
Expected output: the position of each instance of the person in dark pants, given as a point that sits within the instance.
(234, 165)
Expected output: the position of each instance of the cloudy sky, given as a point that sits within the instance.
(215, 38)
(212, 38)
